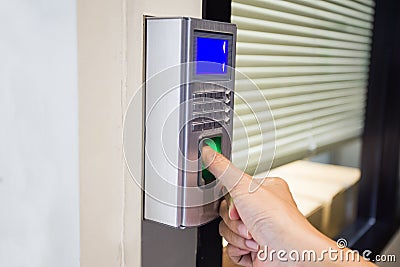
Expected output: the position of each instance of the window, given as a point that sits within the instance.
(310, 61)
(343, 55)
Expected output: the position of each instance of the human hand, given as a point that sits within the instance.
(269, 214)
(242, 249)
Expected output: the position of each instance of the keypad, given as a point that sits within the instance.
(210, 110)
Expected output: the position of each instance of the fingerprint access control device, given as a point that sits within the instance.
(189, 90)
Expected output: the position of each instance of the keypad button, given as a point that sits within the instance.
(197, 127)
(227, 109)
(208, 125)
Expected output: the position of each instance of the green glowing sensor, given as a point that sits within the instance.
(215, 144)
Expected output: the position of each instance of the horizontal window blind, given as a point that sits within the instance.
(309, 59)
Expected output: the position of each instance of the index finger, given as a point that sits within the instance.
(235, 180)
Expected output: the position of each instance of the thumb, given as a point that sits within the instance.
(236, 181)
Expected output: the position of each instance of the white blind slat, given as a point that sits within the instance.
(299, 89)
(259, 72)
(249, 119)
(354, 5)
(325, 5)
(244, 48)
(264, 83)
(259, 106)
(252, 60)
(277, 38)
(278, 27)
(292, 8)
(370, 3)
(256, 129)
(299, 128)
(268, 14)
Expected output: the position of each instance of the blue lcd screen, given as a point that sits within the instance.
(211, 50)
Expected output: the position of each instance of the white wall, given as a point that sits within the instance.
(110, 42)
(39, 205)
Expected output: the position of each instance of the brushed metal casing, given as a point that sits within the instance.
(171, 167)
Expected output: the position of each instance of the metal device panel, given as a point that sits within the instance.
(204, 116)
(210, 114)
